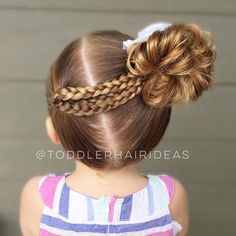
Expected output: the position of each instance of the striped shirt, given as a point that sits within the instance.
(143, 213)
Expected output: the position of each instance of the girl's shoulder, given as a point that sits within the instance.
(31, 206)
(40, 189)
(175, 195)
(171, 185)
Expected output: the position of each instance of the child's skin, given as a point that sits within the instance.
(96, 183)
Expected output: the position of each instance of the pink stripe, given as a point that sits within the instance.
(111, 208)
(169, 184)
(44, 232)
(166, 233)
(48, 189)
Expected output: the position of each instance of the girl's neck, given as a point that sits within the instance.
(121, 182)
(105, 176)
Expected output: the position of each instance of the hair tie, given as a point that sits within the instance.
(144, 34)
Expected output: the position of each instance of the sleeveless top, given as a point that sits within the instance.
(143, 213)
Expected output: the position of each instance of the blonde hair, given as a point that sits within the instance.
(103, 97)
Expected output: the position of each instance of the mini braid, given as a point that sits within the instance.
(99, 98)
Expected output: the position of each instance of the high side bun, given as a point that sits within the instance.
(177, 64)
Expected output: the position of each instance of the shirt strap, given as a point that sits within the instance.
(169, 183)
(47, 188)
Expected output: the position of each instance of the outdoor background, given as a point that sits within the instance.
(32, 33)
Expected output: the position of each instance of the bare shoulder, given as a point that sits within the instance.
(31, 207)
(179, 206)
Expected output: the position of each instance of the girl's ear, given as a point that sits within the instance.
(51, 131)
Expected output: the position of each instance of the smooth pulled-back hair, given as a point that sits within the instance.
(109, 105)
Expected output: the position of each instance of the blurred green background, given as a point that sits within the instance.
(32, 35)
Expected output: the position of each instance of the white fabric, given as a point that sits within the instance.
(146, 32)
(77, 212)
(176, 227)
(56, 200)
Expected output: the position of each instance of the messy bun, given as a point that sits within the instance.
(177, 64)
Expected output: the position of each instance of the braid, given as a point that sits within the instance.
(99, 98)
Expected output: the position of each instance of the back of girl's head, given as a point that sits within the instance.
(110, 106)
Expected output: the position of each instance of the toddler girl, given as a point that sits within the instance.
(109, 100)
